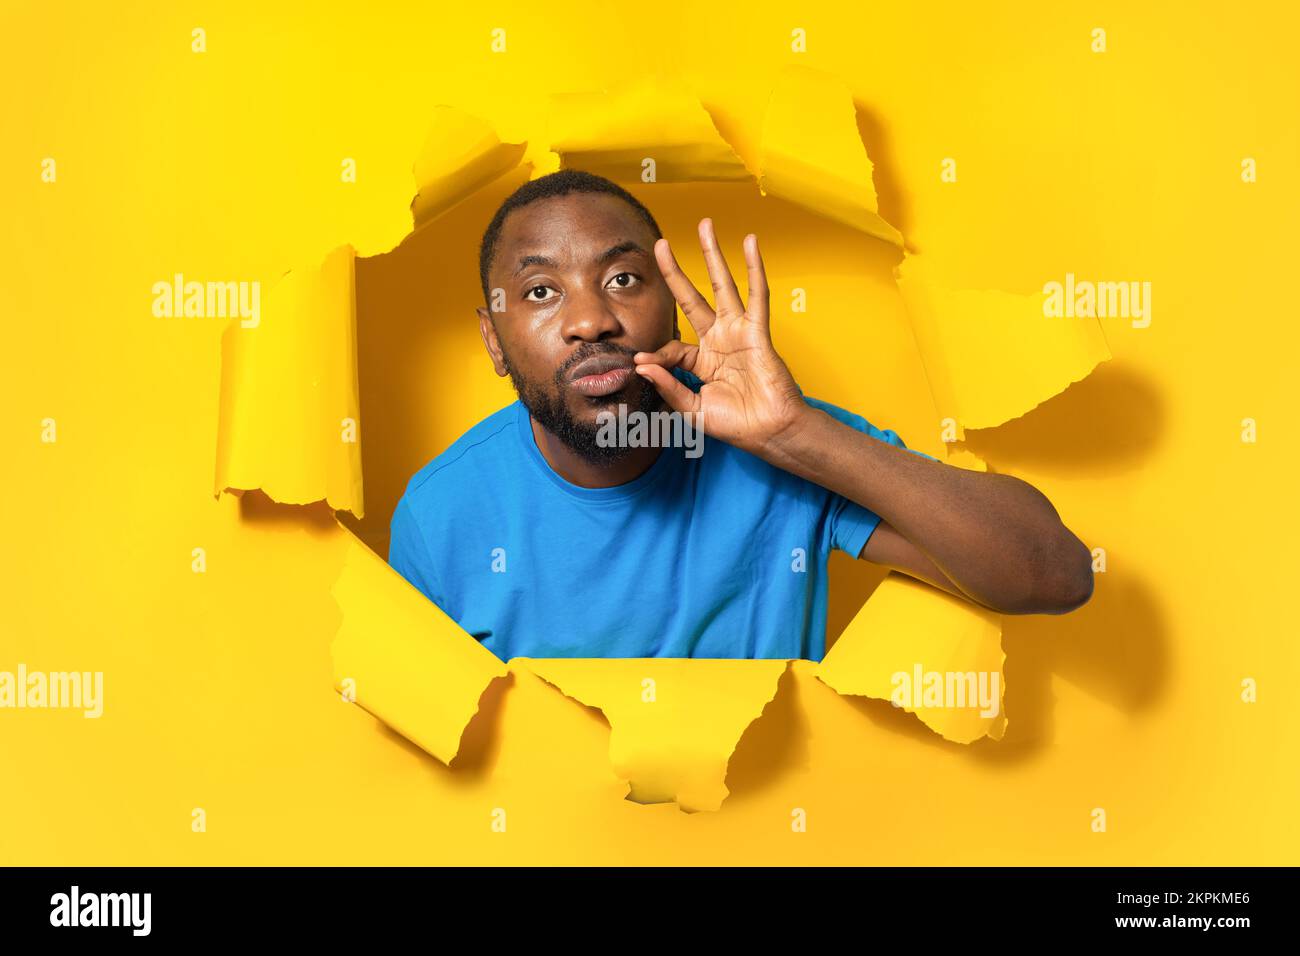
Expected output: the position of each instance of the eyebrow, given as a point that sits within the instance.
(611, 253)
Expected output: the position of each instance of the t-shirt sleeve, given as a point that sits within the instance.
(849, 524)
(408, 555)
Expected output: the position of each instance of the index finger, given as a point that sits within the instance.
(694, 306)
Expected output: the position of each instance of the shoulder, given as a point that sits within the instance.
(857, 422)
(477, 452)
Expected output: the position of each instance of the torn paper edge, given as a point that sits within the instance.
(479, 182)
(252, 453)
(917, 272)
(534, 665)
(360, 648)
(825, 670)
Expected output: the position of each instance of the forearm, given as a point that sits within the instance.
(997, 538)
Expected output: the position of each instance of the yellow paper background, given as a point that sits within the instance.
(225, 165)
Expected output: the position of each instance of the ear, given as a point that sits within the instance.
(488, 332)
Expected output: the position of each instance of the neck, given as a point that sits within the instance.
(576, 470)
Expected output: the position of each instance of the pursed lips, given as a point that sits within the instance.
(601, 375)
(599, 364)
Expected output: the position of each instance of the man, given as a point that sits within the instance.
(542, 537)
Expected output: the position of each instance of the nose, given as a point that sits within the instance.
(588, 317)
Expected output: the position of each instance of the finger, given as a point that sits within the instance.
(678, 396)
(758, 292)
(726, 298)
(676, 354)
(695, 307)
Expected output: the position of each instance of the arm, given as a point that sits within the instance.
(889, 548)
(993, 539)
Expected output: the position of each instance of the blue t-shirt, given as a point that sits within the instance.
(716, 556)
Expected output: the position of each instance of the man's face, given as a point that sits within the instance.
(580, 294)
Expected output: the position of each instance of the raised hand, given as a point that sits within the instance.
(749, 398)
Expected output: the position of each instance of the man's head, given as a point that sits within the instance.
(572, 292)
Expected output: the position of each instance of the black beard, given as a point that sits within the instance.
(548, 407)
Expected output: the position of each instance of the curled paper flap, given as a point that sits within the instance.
(402, 659)
(928, 652)
(673, 723)
(289, 410)
(461, 154)
(992, 356)
(812, 155)
(620, 133)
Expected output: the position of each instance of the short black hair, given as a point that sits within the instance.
(544, 187)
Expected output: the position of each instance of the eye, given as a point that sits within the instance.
(538, 288)
(632, 278)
